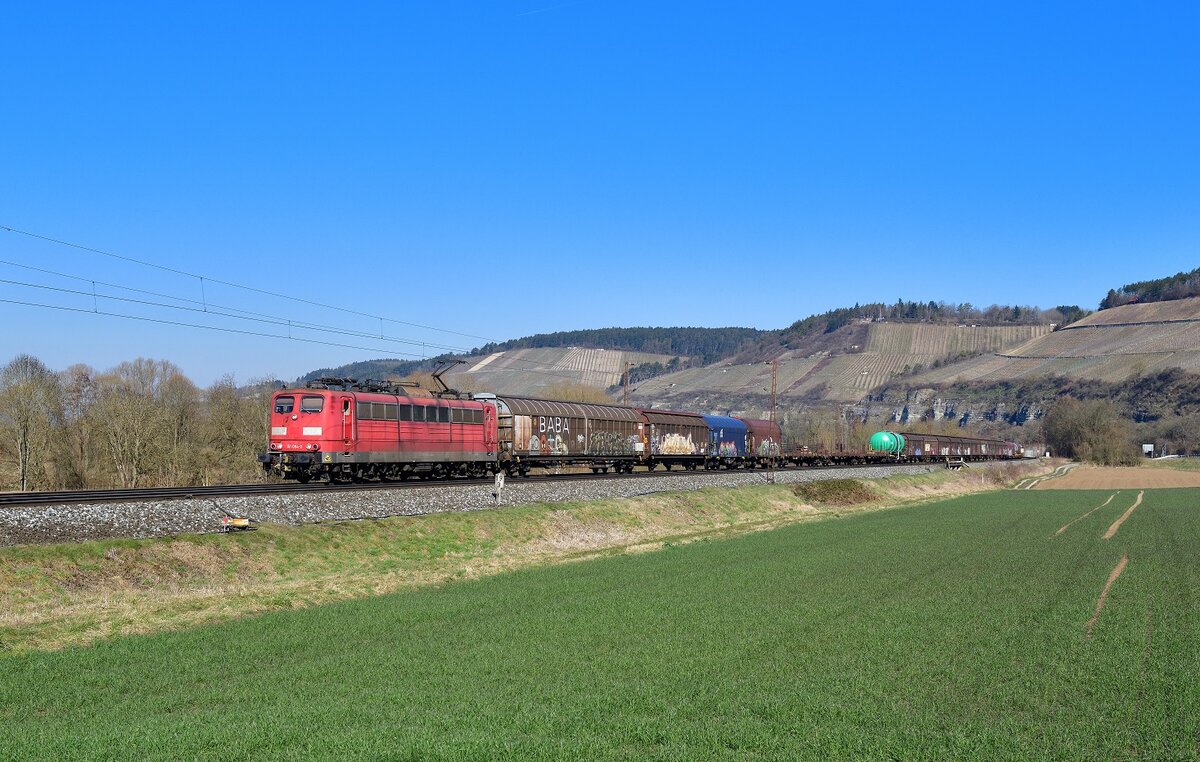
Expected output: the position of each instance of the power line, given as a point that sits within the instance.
(252, 289)
(233, 312)
(236, 313)
(241, 332)
(199, 325)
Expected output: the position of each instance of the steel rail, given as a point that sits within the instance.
(155, 494)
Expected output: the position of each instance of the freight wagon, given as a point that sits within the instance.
(726, 441)
(551, 434)
(674, 439)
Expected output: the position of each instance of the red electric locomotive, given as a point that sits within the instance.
(347, 431)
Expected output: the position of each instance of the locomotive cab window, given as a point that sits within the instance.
(312, 404)
(284, 404)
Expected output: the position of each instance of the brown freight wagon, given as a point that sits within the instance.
(673, 439)
(762, 441)
(927, 447)
(549, 433)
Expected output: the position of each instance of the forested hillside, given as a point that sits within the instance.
(929, 312)
(1178, 286)
(376, 369)
(704, 344)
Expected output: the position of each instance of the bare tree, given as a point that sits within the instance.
(132, 404)
(179, 402)
(78, 444)
(235, 430)
(30, 409)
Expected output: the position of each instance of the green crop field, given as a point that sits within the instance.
(955, 629)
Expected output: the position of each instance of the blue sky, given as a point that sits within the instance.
(503, 168)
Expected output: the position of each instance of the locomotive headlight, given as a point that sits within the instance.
(312, 447)
(275, 445)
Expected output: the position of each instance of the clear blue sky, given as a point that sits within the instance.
(520, 166)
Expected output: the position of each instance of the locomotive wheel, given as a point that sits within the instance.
(303, 477)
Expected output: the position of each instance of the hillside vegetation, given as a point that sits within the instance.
(705, 344)
(1178, 286)
(1163, 406)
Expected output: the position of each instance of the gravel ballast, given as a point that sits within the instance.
(72, 523)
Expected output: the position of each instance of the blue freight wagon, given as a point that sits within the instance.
(726, 441)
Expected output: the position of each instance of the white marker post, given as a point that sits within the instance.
(499, 486)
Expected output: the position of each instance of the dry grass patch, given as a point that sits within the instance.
(840, 492)
(1099, 477)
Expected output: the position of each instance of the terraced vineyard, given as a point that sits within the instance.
(890, 349)
(1150, 312)
(1110, 345)
(1105, 340)
(1012, 625)
(933, 341)
(850, 377)
(526, 371)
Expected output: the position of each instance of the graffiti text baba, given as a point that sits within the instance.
(554, 425)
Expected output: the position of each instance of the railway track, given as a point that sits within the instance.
(155, 494)
(53, 517)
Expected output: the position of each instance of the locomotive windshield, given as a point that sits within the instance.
(312, 404)
(284, 404)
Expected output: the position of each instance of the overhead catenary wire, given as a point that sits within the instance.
(243, 332)
(239, 314)
(238, 331)
(253, 289)
(235, 313)
(210, 309)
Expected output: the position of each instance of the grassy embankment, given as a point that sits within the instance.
(1175, 464)
(954, 629)
(61, 595)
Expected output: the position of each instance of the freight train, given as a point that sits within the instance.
(341, 430)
